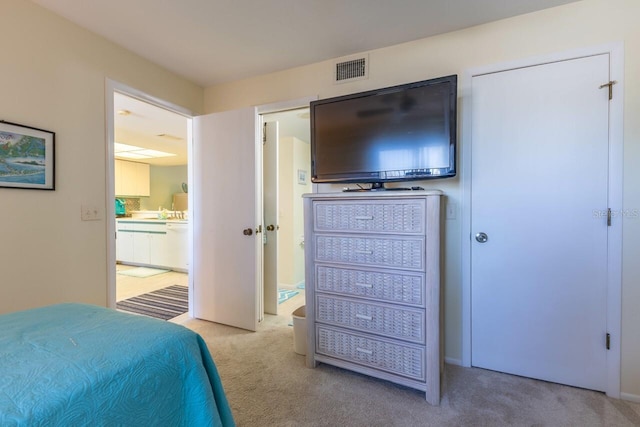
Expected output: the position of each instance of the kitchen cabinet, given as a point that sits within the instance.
(132, 178)
(152, 243)
(177, 251)
(124, 243)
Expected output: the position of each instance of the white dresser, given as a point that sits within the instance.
(372, 264)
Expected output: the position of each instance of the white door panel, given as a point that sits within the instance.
(539, 181)
(225, 260)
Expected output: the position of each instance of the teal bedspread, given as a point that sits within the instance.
(83, 365)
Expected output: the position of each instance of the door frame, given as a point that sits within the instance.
(111, 88)
(263, 110)
(614, 250)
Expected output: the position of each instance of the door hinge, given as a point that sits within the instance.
(608, 217)
(610, 86)
(608, 341)
(264, 133)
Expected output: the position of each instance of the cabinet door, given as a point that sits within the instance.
(141, 248)
(131, 178)
(159, 249)
(142, 180)
(124, 246)
(177, 246)
(127, 177)
(117, 174)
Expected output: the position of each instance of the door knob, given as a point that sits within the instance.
(482, 237)
(247, 231)
(270, 227)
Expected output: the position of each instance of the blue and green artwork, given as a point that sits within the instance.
(22, 158)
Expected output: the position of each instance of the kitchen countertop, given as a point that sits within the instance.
(156, 220)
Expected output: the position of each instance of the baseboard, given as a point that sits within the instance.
(630, 397)
(452, 361)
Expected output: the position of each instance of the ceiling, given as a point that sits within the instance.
(144, 125)
(215, 41)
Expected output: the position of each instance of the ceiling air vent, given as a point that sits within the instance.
(354, 69)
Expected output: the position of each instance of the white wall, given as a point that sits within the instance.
(301, 162)
(285, 212)
(576, 25)
(294, 155)
(53, 77)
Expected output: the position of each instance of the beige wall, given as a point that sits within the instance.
(577, 25)
(293, 155)
(53, 77)
(285, 212)
(165, 181)
(301, 162)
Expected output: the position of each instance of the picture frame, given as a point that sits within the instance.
(27, 157)
(302, 177)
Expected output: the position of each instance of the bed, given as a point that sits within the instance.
(78, 364)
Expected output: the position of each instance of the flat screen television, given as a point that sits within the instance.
(399, 133)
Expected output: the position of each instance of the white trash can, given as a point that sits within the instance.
(300, 330)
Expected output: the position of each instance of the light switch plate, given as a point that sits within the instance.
(89, 213)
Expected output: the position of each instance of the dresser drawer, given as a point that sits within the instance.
(382, 319)
(406, 253)
(406, 288)
(383, 216)
(400, 359)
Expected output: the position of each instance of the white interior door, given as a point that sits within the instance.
(270, 198)
(539, 190)
(225, 217)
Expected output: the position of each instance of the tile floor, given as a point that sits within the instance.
(127, 286)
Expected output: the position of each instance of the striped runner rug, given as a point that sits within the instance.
(165, 303)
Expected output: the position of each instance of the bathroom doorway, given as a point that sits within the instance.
(289, 161)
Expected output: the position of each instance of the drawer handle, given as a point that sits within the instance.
(365, 285)
(364, 218)
(364, 350)
(362, 316)
(365, 252)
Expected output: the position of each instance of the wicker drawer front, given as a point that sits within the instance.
(374, 216)
(382, 319)
(378, 252)
(400, 359)
(383, 286)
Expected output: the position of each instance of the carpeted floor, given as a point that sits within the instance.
(268, 385)
(165, 303)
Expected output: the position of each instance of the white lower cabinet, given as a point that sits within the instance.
(124, 243)
(177, 245)
(152, 243)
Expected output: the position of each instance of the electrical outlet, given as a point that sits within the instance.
(89, 213)
(452, 210)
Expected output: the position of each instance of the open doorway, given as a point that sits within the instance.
(150, 181)
(286, 176)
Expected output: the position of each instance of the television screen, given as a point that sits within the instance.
(401, 133)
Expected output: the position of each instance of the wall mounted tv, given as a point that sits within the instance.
(399, 133)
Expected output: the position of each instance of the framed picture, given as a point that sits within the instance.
(26, 157)
(302, 177)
